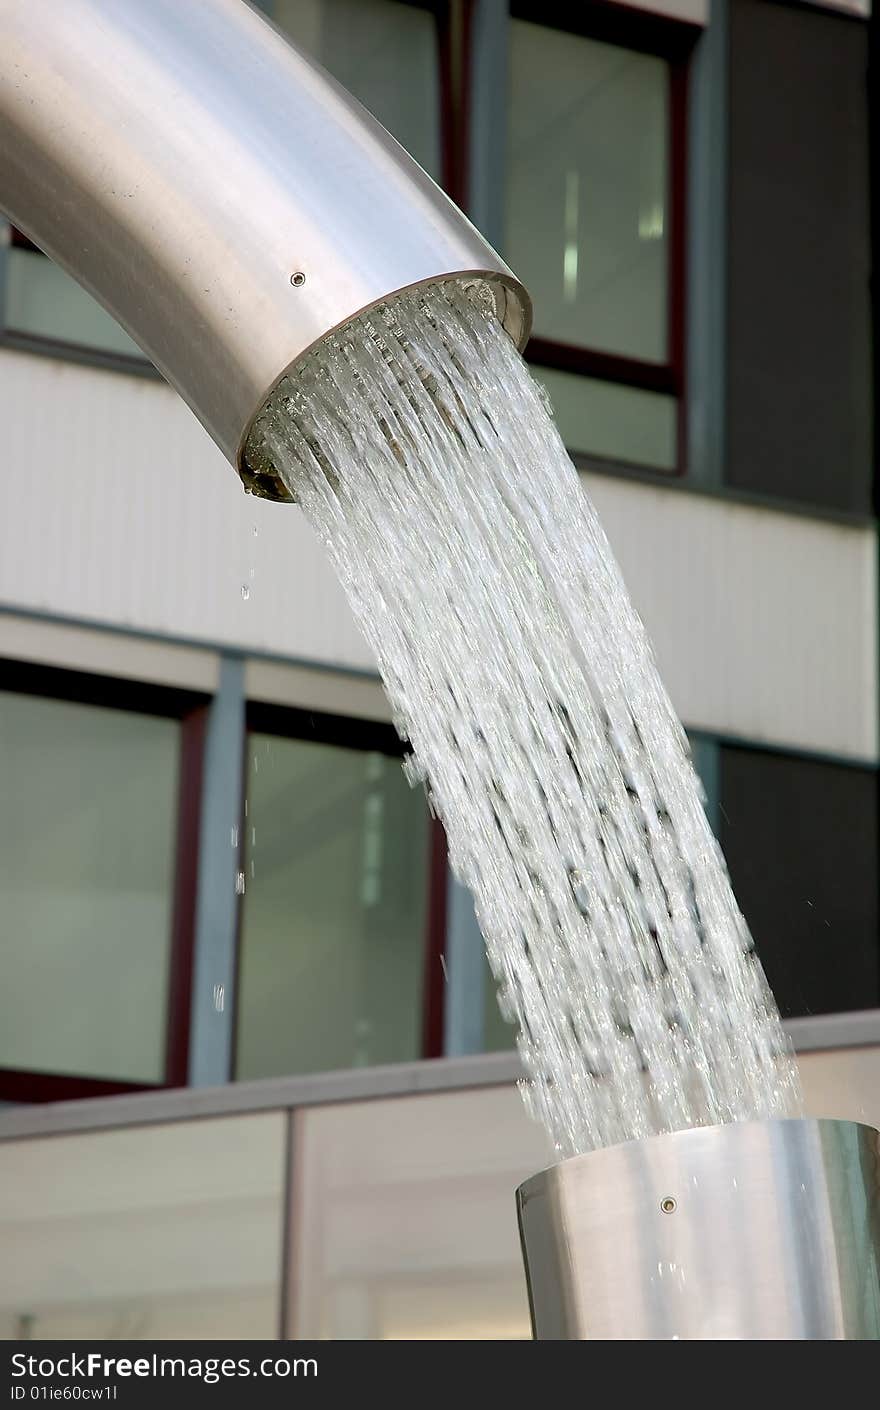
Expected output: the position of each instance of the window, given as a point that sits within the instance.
(799, 389)
(593, 222)
(96, 921)
(611, 421)
(336, 900)
(801, 840)
(587, 178)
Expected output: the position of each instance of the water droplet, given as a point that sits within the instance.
(245, 591)
(233, 836)
(219, 998)
(239, 884)
(256, 531)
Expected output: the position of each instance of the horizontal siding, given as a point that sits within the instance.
(116, 509)
(764, 624)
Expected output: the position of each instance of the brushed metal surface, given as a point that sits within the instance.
(757, 1231)
(218, 192)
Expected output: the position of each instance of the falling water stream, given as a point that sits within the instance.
(425, 457)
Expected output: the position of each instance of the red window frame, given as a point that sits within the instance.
(673, 41)
(190, 709)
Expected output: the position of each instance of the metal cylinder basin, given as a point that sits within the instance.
(756, 1231)
(218, 192)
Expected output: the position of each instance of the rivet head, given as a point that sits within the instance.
(668, 1204)
(298, 279)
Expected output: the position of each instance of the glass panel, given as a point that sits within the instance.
(333, 925)
(44, 301)
(801, 271)
(801, 840)
(87, 835)
(403, 1218)
(383, 52)
(613, 422)
(586, 207)
(159, 1233)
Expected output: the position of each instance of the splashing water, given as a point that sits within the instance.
(423, 454)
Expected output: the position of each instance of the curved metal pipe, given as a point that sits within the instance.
(756, 1231)
(218, 192)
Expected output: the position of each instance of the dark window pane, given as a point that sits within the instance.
(801, 842)
(332, 945)
(87, 836)
(799, 397)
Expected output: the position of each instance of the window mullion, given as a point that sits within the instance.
(706, 236)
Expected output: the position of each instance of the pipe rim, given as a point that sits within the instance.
(541, 1178)
(513, 309)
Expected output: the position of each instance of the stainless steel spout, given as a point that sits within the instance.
(218, 192)
(758, 1231)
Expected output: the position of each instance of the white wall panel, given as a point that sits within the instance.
(307, 689)
(115, 508)
(764, 624)
(842, 1082)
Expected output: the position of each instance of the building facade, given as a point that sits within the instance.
(217, 886)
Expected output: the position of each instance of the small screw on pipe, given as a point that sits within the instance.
(298, 279)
